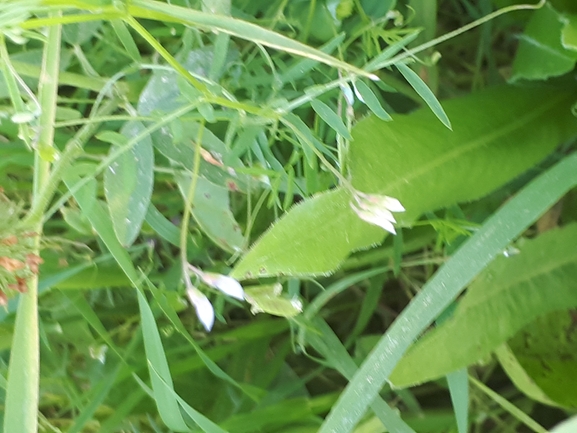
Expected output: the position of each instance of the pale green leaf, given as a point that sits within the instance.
(332, 118)
(568, 426)
(540, 54)
(313, 238)
(569, 32)
(371, 100)
(424, 92)
(268, 299)
(128, 183)
(211, 210)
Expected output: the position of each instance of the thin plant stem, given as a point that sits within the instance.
(23, 372)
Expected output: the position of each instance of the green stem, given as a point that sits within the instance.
(44, 196)
(21, 410)
(454, 33)
(188, 202)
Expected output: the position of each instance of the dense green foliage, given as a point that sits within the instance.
(392, 182)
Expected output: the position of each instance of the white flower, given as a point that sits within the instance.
(377, 209)
(227, 285)
(203, 307)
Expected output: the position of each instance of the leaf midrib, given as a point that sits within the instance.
(473, 145)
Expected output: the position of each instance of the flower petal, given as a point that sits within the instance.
(393, 204)
(375, 219)
(226, 285)
(203, 307)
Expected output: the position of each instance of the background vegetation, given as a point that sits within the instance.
(154, 153)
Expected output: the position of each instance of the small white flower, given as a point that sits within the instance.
(226, 285)
(203, 307)
(377, 209)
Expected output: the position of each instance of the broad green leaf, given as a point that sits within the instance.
(424, 165)
(424, 92)
(511, 293)
(547, 351)
(540, 54)
(473, 256)
(427, 167)
(211, 210)
(128, 184)
(312, 238)
(371, 100)
(332, 118)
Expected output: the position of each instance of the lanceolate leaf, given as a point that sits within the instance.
(211, 210)
(424, 92)
(427, 167)
(128, 185)
(510, 294)
(420, 162)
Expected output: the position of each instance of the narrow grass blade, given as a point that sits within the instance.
(378, 61)
(509, 407)
(504, 226)
(158, 368)
(167, 406)
(324, 341)
(371, 101)
(166, 12)
(332, 118)
(459, 388)
(203, 422)
(126, 39)
(302, 66)
(424, 92)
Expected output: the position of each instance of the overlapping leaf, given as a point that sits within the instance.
(423, 164)
(510, 294)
